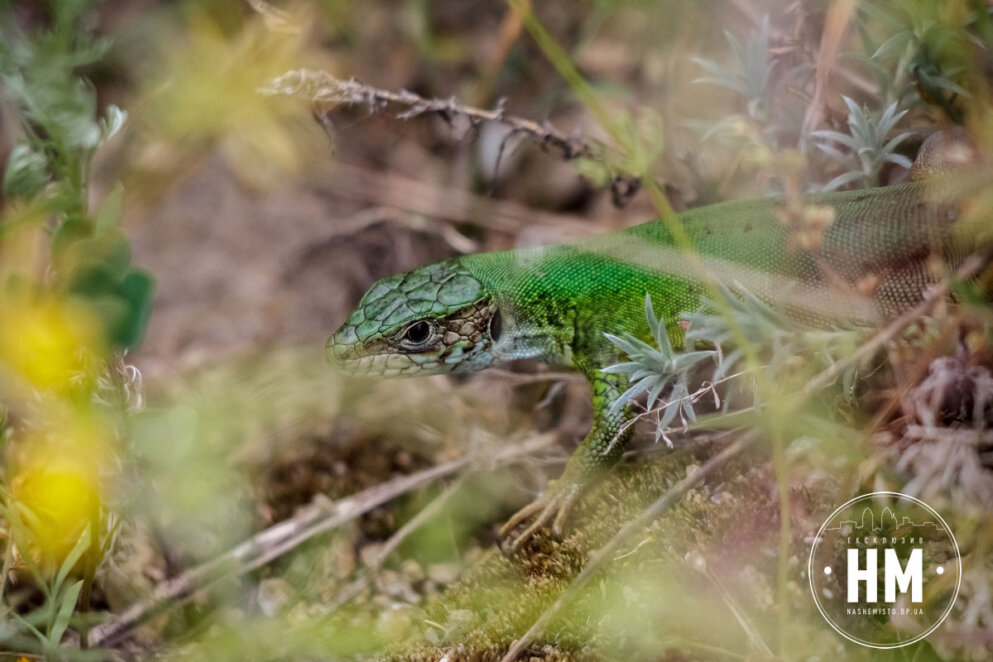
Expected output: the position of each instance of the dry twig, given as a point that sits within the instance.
(326, 92)
(315, 519)
(416, 522)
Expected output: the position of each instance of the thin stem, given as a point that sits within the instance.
(564, 66)
(91, 559)
(608, 551)
(785, 532)
(8, 560)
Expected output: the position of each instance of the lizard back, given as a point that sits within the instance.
(854, 257)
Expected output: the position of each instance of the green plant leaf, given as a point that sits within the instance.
(139, 291)
(26, 173)
(71, 230)
(67, 606)
(651, 369)
(29, 626)
(843, 180)
(108, 217)
(895, 45)
(71, 559)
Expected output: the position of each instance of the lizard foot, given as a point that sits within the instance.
(555, 503)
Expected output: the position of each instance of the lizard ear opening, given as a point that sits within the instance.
(496, 325)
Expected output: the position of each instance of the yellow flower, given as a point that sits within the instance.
(47, 343)
(57, 484)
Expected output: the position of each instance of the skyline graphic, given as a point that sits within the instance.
(887, 522)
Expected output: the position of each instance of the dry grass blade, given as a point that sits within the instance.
(738, 611)
(836, 25)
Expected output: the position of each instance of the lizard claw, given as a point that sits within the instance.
(555, 503)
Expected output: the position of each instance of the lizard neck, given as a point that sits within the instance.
(533, 331)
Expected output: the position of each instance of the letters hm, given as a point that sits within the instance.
(895, 575)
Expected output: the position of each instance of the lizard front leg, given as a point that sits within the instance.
(599, 450)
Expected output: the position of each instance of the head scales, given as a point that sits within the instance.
(434, 319)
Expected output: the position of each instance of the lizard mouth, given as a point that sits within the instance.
(378, 365)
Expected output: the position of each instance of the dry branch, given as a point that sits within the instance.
(319, 517)
(416, 522)
(326, 92)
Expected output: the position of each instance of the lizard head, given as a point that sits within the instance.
(432, 320)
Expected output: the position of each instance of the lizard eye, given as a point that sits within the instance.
(417, 334)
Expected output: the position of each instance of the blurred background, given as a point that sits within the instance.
(178, 241)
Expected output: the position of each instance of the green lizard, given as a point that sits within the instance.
(867, 261)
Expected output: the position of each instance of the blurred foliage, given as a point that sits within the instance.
(70, 301)
(201, 90)
(788, 341)
(49, 344)
(925, 54)
(48, 173)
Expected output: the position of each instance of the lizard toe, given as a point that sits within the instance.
(564, 509)
(553, 506)
(521, 516)
(546, 514)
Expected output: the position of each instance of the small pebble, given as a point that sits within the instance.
(444, 573)
(273, 594)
